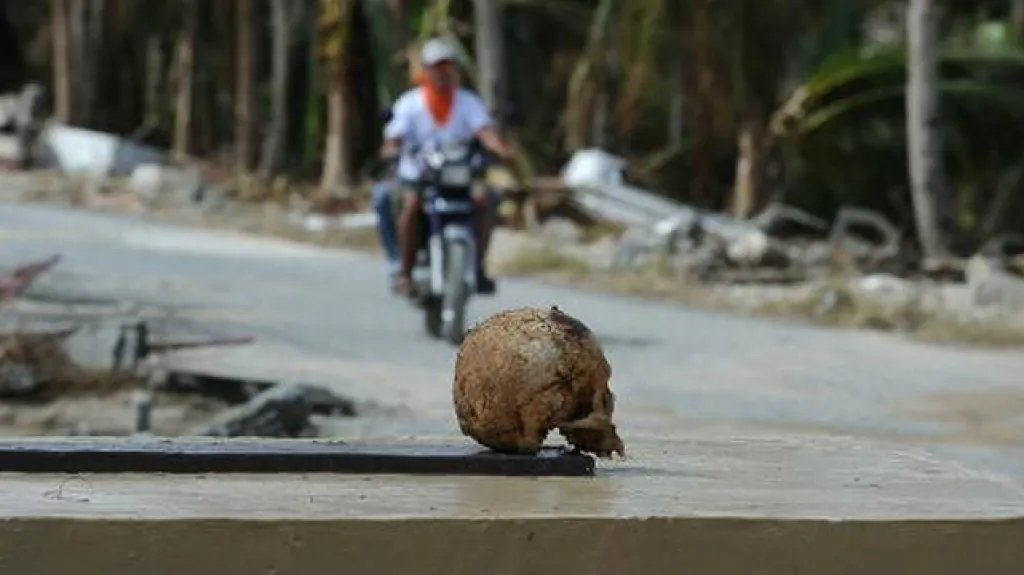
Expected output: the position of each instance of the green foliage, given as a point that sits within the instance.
(843, 127)
(830, 99)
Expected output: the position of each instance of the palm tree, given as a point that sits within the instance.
(927, 183)
(334, 27)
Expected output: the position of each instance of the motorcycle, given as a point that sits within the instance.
(444, 275)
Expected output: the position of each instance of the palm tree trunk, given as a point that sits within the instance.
(585, 80)
(61, 60)
(924, 145)
(335, 20)
(337, 173)
(244, 89)
(749, 165)
(701, 80)
(90, 50)
(490, 55)
(281, 40)
(397, 8)
(185, 76)
(153, 98)
(76, 58)
(1017, 16)
(677, 103)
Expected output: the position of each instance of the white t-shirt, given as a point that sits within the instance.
(412, 123)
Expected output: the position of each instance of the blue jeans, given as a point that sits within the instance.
(386, 222)
(381, 201)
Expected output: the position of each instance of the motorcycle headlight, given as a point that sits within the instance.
(435, 160)
(455, 151)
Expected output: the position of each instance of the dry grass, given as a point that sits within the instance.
(601, 230)
(940, 330)
(543, 261)
(364, 239)
(834, 304)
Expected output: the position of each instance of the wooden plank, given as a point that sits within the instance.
(278, 456)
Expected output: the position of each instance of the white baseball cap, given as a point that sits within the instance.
(436, 50)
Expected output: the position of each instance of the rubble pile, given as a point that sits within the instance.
(45, 390)
(35, 367)
(781, 258)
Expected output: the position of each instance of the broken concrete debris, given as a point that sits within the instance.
(31, 363)
(778, 256)
(715, 247)
(992, 286)
(230, 390)
(283, 410)
(37, 369)
(75, 150)
(20, 124)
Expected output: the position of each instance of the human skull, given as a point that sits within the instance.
(526, 371)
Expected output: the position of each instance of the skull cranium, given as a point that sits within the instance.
(526, 371)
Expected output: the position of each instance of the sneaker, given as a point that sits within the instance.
(485, 285)
(393, 272)
(402, 284)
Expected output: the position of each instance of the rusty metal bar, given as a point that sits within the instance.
(15, 283)
(278, 456)
(167, 346)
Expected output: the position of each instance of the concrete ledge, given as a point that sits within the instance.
(760, 506)
(564, 546)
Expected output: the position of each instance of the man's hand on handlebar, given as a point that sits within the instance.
(505, 151)
(508, 153)
(390, 150)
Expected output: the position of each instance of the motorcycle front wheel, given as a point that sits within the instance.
(432, 307)
(456, 293)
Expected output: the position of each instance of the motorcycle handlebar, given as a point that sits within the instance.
(475, 148)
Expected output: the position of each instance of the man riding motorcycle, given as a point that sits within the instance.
(383, 199)
(438, 109)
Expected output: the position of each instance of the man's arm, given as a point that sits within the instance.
(490, 139)
(483, 128)
(395, 130)
(389, 150)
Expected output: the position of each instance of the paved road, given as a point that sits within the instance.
(325, 315)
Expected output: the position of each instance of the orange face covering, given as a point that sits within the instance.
(439, 100)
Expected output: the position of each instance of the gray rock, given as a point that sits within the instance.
(886, 288)
(750, 248)
(176, 185)
(19, 380)
(990, 285)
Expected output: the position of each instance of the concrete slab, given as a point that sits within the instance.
(766, 506)
(780, 477)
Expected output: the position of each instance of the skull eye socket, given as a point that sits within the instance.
(604, 401)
